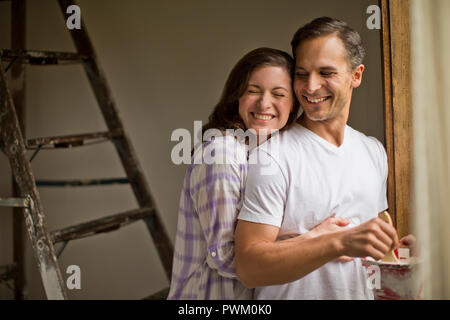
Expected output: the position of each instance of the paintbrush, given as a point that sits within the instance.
(390, 256)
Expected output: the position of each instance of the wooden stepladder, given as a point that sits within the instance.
(15, 146)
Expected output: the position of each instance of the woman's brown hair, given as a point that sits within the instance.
(226, 113)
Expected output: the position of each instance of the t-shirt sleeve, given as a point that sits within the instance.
(265, 191)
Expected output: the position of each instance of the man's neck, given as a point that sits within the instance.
(331, 130)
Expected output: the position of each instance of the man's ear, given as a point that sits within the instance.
(357, 76)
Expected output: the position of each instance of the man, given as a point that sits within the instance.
(321, 168)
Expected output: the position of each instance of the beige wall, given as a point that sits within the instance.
(166, 63)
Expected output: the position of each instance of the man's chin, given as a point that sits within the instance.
(315, 116)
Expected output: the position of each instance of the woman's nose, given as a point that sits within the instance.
(265, 101)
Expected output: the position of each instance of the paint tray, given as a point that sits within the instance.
(396, 281)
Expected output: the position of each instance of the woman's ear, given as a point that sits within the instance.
(357, 76)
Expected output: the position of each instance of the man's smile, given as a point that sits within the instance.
(316, 100)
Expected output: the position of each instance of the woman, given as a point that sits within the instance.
(257, 95)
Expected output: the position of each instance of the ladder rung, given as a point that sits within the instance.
(81, 182)
(43, 57)
(14, 202)
(101, 225)
(160, 295)
(69, 141)
(8, 272)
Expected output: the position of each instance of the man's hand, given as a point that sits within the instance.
(331, 224)
(374, 238)
(409, 241)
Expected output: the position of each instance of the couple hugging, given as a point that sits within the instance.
(300, 231)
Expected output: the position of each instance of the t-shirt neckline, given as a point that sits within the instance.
(328, 145)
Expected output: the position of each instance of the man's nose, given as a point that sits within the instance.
(314, 83)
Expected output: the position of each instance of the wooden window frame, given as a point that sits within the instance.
(396, 64)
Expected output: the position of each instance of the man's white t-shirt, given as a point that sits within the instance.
(296, 180)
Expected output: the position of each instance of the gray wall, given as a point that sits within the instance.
(166, 63)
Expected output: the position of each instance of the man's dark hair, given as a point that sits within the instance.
(325, 26)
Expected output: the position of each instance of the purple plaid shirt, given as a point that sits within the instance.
(203, 265)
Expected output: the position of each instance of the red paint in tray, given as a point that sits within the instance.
(398, 281)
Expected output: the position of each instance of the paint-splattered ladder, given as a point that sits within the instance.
(27, 199)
